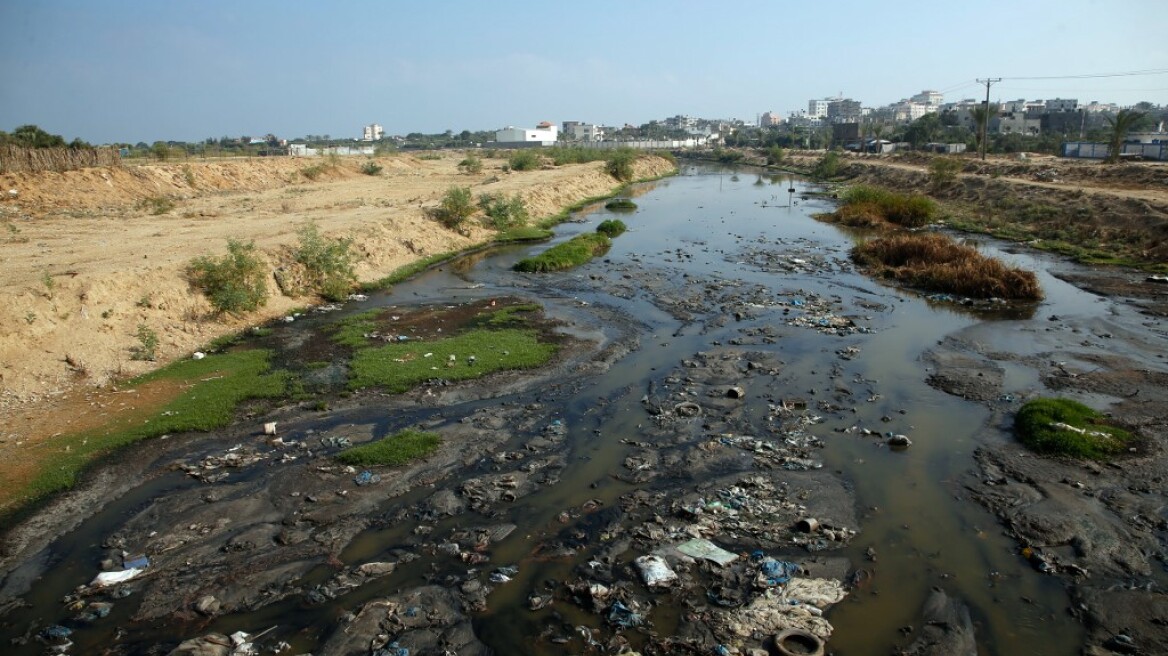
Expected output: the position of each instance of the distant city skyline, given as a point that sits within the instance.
(133, 70)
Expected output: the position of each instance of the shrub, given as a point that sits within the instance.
(572, 253)
(233, 283)
(471, 165)
(1066, 427)
(909, 210)
(396, 449)
(147, 348)
(328, 263)
(371, 168)
(774, 155)
(620, 164)
(157, 204)
(943, 171)
(456, 206)
(620, 205)
(612, 228)
(503, 213)
(523, 160)
(936, 263)
(828, 166)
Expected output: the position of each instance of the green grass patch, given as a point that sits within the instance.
(620, 205)
(213, 387)
(400, 367)
(351, 330)
(612, 228)
(1042, 424)
(866, 203)
(509, 317)
(397, 449)
(572, 253)
(523, 234)
(409, 271)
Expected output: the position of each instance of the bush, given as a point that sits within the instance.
(371, 168)
(457, 206)
(909, 210)
(612, 228)
(471, 165)
(396, 449)
(233, 283)
(620, 164)
(572, 253)
(1068, 428)
(147, 348)
(774, 155)
(828, 166)
(328, 263)
(935, 262)
(943, 171)
(504, 213)
(620, 205)
(523, 160)
(157, 204)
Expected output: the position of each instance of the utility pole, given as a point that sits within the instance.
(985, 120)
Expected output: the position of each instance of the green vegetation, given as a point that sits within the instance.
(233, 283)
(49, 282)
(391, 451)
(1120, 125)
(827, 167)
(726, 156)
(188, 175)
(207, 393)
(503, 213)
(408, 271)
(612, 228)
(523, 160)
(157, 205)
(314, 171)
(562, 155)
(620, 164)
(1068, 428)
(774, 155)
(865, 205)
(328, 263)
(943, 171)
(524, 233)
(351, 330)
(569, 254)
(456, 206)
(147, 347)
(935, 262)
(398, 367)
(371, 168)
(620, 205)
(471, 165)
(509, 317)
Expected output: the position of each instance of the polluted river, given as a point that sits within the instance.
(739, 436)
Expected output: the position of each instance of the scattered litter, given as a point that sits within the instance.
(655, 572)
(198, 355)
(367, 478)
(270, 428)
(113, 578)
(621, 615)
(702, 548)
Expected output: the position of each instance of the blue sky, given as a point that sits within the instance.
(110, 71)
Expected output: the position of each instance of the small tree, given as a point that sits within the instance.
(503, 213)
(774, 155)
(1120, 125)
(328, 263)
(943, 172)
(827, 167)
(620, 164)
(472, 165)
(233, 283)
(523, 160)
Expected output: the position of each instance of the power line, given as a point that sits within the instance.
(1150, 71)
(985, 119)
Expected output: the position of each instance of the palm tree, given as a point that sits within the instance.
(1120, 125)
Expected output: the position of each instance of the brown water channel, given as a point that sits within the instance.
(714, 259)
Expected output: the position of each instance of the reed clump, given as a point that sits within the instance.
(937, 263)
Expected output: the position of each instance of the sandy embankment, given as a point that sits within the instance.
(86, 263)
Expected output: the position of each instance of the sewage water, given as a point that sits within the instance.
(747, 235)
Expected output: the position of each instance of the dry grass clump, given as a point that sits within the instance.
(937, 263)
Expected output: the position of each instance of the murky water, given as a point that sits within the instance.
(746, 231)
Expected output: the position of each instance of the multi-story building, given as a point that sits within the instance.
(928, 97)
(770, 119)
(818, 108)
(579, 131)
(372, 133)
(1062, 105)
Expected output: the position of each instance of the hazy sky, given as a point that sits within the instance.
(145, 70)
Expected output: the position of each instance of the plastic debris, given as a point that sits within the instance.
(135, 562)
(113, 578)
(702, 548)
(367, 478)
(778, 572)
(655, 572)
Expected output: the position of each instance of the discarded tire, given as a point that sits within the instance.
(797, 642)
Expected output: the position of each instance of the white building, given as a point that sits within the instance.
(928, 97)
(578, 131)
(372, 133)
(818, 108)
(1062, 105)
(544, 134)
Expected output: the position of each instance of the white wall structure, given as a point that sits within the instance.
(544, 134)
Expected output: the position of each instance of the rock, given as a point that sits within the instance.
(212, 644)
(947, 630)
(899, 442)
